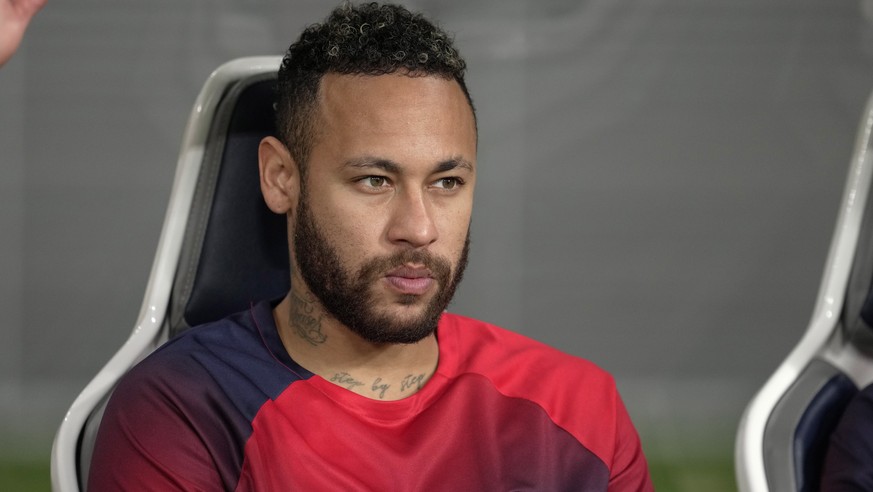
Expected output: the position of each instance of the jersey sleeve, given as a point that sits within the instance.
(181, 418)
(629, 471)
(148, 441)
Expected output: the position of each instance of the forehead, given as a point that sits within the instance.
(394, 114)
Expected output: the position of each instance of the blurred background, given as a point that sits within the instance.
(659, 182)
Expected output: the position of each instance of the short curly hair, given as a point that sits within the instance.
(367, 39)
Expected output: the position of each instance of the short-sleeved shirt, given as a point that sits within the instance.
(223, 407)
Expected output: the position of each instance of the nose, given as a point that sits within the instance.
(412, 221)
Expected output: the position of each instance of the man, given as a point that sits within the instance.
(357, 379)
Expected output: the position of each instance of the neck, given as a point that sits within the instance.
(325, 347)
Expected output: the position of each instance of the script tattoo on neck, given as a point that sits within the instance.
(380, 387)
(345, 379)
(411, 381)
(302, 319)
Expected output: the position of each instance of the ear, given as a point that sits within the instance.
(280, 176)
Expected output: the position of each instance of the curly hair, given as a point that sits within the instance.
(367, 39)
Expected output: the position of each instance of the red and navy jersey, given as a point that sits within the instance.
(223, 407)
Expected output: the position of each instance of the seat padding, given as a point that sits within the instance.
(815, 428)
(802, 422)
(243, 255)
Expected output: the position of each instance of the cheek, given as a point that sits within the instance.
(454, 233)
(355, 236)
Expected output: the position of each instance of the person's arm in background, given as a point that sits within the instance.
(15, 15)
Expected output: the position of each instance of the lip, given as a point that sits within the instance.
(407, 271)
(410, 280)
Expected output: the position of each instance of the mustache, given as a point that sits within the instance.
(440, 268)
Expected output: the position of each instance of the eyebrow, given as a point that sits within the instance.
(390, 166)
(453, 163)
(373, 163)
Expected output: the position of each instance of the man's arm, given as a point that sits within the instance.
(149, 439)
(15, 15)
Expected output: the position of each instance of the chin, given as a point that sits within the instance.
(410, 299)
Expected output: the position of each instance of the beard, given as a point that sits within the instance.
(349, 296)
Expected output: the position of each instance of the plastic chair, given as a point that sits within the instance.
(785, 429)
(220, 247)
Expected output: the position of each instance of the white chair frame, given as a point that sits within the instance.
(149, 330)
(822, 338)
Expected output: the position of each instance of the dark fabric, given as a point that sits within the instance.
(244, 257)
(223, 407)
(848, 464)
(815, 426)
(180, 419)
(867, 310)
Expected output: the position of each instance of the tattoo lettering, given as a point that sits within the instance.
(411, 381)
(381, 387)
(307, 326)
(345, 379)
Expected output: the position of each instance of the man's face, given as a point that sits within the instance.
(381, 228)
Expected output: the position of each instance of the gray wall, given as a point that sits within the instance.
(658, 183)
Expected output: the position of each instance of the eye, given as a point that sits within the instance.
(374, 181)
(448, 183)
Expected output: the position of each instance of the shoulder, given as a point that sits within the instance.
(485, 347)
(171, 422)
(576, 395)
(193, 353)
(182, 370)
(229, 359)
(572, 390)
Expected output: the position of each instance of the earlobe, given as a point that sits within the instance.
(280, 179)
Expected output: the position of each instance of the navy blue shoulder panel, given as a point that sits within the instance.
(242, 355)
(186, 411)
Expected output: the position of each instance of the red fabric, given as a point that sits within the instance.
(223, 407)
(500, 412)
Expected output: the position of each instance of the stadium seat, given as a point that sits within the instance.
(220, 248)
(784, 432)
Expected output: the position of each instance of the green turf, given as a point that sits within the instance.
(24, 476)
(712, 474)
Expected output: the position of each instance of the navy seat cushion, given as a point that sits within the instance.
(244, 256)
(815, 428)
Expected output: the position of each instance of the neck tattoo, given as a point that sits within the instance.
(410, 384)
(302, 319)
